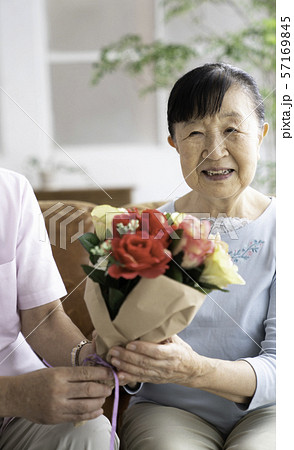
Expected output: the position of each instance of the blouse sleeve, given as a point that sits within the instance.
(264, 364)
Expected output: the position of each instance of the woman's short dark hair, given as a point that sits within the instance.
(200, 92)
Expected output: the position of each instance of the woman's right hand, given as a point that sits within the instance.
(60, 394)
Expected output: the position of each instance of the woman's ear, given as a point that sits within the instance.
(171, 142)
(265, 129)
(263, 133)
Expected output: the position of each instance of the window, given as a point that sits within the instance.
(111, 112)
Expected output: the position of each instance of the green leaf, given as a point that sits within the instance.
(115, 291)
(94, 258)
(206, 288)
(89, 240)
(115, 300)
(174, 272)
(98, 276)
(133, 56)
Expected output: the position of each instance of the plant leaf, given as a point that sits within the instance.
(114, 302)
(94, 258)
(98, 276)
(207, 288)
(89, 240)
(174, 272)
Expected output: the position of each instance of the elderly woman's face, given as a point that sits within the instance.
(219, 153)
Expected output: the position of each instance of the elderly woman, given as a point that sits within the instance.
(213, 385)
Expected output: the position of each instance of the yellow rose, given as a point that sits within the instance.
(177, 218)
(219, 269)
(102, 219)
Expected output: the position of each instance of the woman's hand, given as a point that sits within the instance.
(61, 394)
(171, 362)
(176, 362)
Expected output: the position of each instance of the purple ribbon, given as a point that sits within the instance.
(97, 360)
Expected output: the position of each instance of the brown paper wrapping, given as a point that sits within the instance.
(155, 310)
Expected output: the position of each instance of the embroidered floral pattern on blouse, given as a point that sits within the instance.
(246, 252)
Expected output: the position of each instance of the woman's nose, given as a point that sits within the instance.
(215, 147)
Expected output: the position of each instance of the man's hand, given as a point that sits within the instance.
(62, 394)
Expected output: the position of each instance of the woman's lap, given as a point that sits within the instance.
(148, 426)
(256, 431)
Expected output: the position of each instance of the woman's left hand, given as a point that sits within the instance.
(173, 361)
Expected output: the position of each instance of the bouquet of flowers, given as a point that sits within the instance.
(150, 273)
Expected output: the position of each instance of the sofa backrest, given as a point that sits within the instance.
(65, 221)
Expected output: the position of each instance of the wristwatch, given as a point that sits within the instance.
(76, 352)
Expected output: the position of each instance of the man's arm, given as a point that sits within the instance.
(52, 334)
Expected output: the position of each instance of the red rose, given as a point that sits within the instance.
(154, 223)
(151, 223)
(137, 256)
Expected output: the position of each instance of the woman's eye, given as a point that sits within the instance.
(195, 133)
(231, 130)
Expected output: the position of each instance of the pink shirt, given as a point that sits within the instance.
(28, 273)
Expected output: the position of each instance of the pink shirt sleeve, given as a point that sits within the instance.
(38, 279)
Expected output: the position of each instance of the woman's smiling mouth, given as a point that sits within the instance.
(217, 174)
